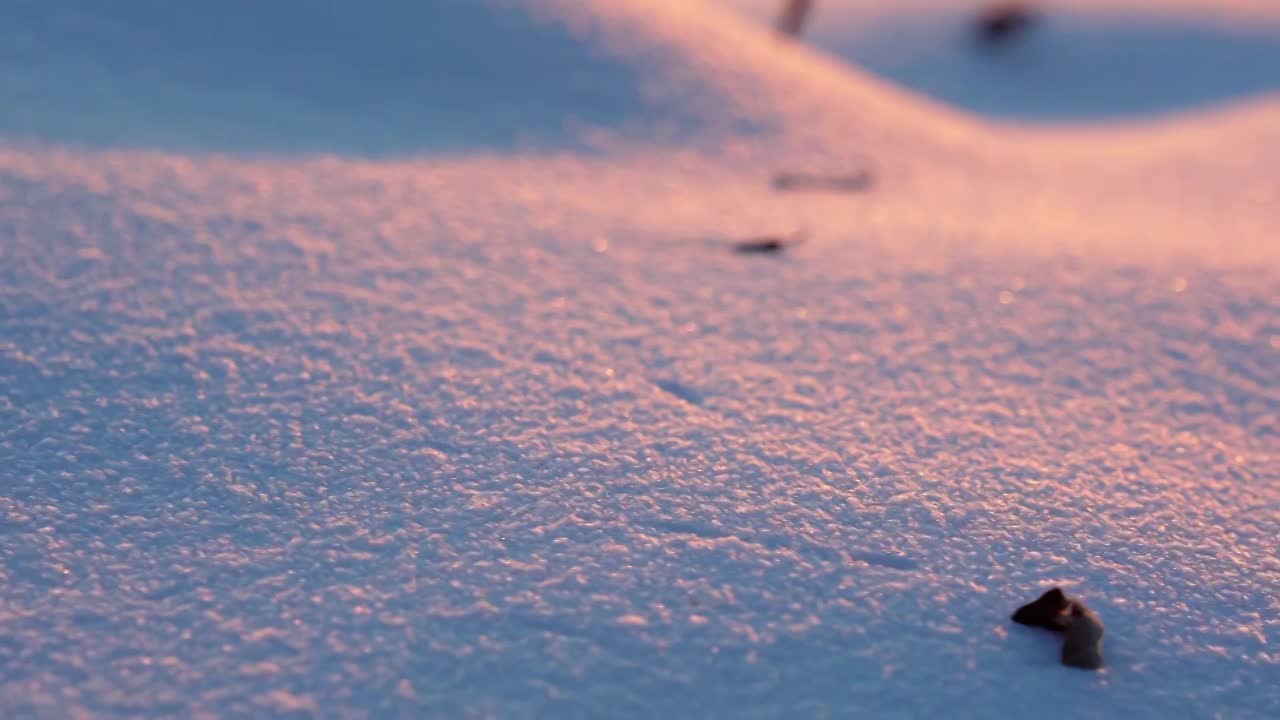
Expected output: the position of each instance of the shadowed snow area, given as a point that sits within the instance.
(347, 77)
(517, 435)
(1077, 61)
(1150, 64)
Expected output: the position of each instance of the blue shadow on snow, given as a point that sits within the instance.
(1068, 67)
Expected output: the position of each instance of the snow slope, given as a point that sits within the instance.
(1082, 60)
(515, 435)
(340, 76)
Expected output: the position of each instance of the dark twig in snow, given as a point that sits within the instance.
(800, 181)
(795, 13)
(767, 244)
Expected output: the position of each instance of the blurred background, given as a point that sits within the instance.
(402, 76)
(1050, 61)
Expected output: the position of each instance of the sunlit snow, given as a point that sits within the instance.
(495, 424)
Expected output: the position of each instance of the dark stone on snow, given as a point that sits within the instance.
(759, 245)
(768, 244)
(1049, 611)
(1083, 645)
(1004, 22)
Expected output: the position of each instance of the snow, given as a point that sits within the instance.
(296, 76)
(1078, 61)
(499, 426)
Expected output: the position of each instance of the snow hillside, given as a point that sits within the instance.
(496, 425)
(288, 75)
(1080, 60)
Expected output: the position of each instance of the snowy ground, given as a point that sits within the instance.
(1081, 60)
(511, 433)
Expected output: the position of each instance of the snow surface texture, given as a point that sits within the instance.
(516, 435)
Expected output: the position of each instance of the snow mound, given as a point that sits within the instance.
(1078, 61)
(517, 435)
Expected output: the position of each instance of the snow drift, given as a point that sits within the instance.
(515, 434)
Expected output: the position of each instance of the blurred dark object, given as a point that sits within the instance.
(795, 13)
(796, 181)
(1005, 22)
(767, 244)
(1048, 611)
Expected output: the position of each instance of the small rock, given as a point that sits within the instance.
(1083, 646)
(1049, 611)
(1003, 22)
(767, 244)
(759, 245)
